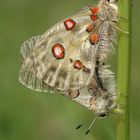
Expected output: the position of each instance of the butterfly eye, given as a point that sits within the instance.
(103, 114)
(112, 0)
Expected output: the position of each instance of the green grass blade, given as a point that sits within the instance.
(124, 65)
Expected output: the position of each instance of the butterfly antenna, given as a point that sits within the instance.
(91, 125)
(79, 126)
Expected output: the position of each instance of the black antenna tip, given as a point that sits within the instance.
(79, 126)
(87, 132)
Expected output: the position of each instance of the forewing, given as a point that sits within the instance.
(42, 65)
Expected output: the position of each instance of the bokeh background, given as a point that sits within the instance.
(29, 115)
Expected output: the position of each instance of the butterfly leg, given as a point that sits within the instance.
(122, 95)
(119, 107)
(124, 18)
(112, 24)
(117, 111)
(115, 95)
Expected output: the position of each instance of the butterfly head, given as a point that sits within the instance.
(113, 4)
(103, 115)
(102, 106)
(110, 6)
(111, 1)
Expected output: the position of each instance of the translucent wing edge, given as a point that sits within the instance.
(28, 45)
(27, 75)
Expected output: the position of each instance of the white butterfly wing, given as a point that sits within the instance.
(41, 65)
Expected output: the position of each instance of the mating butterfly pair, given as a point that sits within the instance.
(70, 58)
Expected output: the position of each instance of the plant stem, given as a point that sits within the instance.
(124, 65)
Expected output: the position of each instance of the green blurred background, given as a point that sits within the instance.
(28, 115)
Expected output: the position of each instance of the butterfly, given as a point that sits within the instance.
(71, 58)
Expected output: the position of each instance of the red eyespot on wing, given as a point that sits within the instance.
(69, 24)
(77, 64)
(95, 10)
(58, 51)
(94, 38)
(93, 17)
(90, 28)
